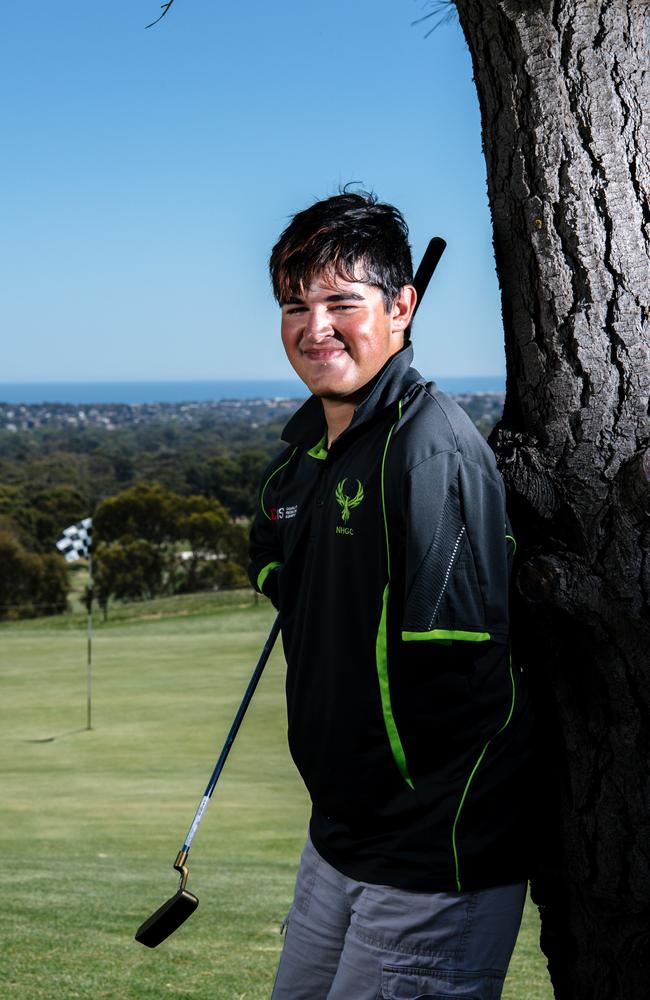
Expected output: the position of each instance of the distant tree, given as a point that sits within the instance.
(235, 545)
(233, 575)
(52, 594)
(203, 523)
(151, 540)
(130, 569)
(146, 511)
(53, 510)
(124, 468)
(57, 469)
(30, 584)
(164, 466)
(16, 516)
(231, 478)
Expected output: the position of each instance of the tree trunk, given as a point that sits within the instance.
(564, 90)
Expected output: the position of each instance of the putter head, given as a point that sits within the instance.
(167, 918)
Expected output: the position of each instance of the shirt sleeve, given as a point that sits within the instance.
(265, 549)
(457, 557)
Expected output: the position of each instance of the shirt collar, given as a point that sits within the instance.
(305, 428)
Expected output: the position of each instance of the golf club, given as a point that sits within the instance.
(428, 264)
(178, 907)
(182, 904)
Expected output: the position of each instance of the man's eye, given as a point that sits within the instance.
(294, 309)
(343, 307)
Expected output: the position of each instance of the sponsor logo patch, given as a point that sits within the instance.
(284, 513)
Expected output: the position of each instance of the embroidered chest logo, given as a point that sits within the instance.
(346, 502)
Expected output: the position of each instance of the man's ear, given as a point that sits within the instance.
(403, 307)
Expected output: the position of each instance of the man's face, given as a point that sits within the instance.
(338, 335)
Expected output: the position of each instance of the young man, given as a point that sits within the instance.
(382, 537)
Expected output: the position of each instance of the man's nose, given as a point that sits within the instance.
(317, 324)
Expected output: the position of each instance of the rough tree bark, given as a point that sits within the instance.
(564, 90)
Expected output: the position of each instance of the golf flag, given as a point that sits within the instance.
(76, 540)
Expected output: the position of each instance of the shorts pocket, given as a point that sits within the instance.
(285, 923)
(400, 982)
(306, 879)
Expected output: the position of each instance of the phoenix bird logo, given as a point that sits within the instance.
(345, 501)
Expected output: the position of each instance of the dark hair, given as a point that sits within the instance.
(351, 234)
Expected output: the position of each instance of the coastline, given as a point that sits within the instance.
(136, 393)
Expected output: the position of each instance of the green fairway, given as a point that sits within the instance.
(93, 820)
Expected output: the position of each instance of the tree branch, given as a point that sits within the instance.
(443, 10)
(164, 7)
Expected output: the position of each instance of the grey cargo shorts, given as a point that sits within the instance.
(349, 940)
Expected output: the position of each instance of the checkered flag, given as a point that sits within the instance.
(76, 541)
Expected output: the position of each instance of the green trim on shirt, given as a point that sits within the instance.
(320, 450)
(446, 635)
(381, 654)
(454, 831)
(263, 573)
(381, 645)
(274, 473)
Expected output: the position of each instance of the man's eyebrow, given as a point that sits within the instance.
(295, 300)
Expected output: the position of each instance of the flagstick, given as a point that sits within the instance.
(75, 543)
(89, 658)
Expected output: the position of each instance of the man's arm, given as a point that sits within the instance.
(265, 549)
(457, 551)
(266, 561)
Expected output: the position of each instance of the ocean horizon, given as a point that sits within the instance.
(83, 393)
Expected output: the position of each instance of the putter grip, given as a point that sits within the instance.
(428, 264)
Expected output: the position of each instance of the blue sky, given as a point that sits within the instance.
(146, 175)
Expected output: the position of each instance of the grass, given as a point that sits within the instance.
(93, 819)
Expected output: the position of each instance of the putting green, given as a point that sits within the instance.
(93, 820)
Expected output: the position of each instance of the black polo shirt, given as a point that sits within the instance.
(388, 556)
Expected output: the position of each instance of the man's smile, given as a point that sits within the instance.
(325, 353)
